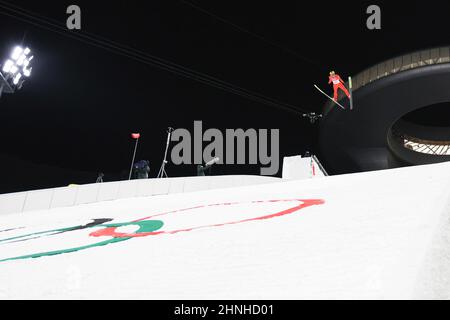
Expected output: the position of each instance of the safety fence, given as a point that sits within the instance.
(90, 193)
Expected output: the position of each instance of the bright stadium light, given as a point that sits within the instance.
(17, 78)
(7, 66)
(16, 53)
(15, 70)
(21, 60)
(27, 72)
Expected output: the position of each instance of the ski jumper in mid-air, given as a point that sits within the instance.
(338, 83)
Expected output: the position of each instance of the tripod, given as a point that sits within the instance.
(162, 171)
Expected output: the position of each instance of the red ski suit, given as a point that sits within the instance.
(338, 83)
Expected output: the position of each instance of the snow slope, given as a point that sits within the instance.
(375, 235)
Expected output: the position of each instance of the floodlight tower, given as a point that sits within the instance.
(15, 70)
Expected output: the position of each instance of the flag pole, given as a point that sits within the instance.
(134, 155)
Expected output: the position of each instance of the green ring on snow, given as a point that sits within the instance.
(144, 226)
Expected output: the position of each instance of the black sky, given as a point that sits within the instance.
(75, 115)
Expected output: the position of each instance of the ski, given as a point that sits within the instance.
(350, 87)
(340, 105)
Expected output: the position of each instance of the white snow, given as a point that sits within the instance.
(378, 235)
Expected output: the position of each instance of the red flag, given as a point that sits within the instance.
(135, 135)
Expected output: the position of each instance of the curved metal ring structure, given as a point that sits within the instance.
(365, 138)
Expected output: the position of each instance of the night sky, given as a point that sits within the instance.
(74, 117)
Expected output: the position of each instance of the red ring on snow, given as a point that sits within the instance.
(111, 231)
